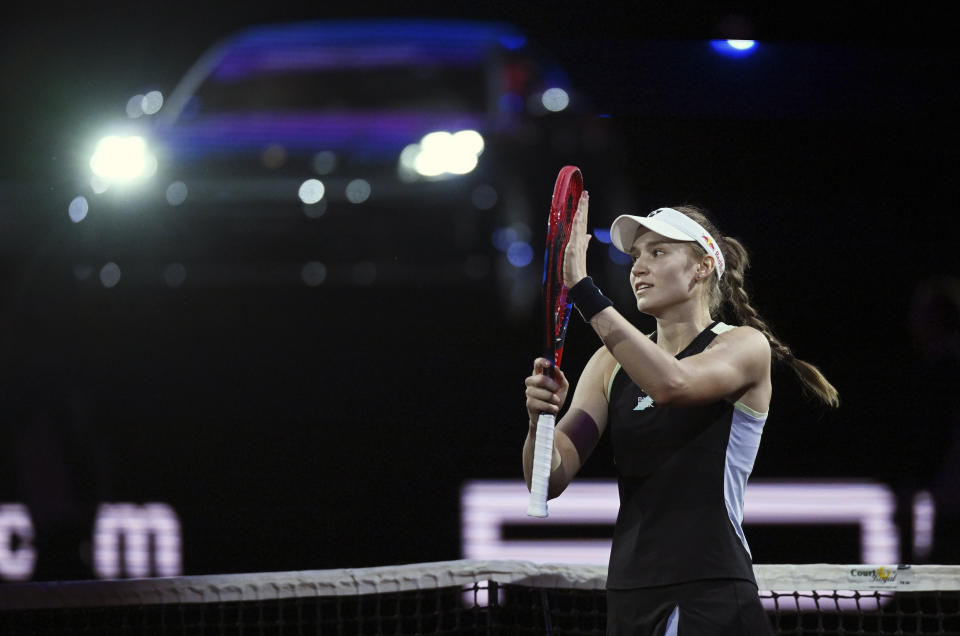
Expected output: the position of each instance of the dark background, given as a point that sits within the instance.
(297, 429)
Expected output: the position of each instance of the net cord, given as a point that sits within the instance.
(418, 576)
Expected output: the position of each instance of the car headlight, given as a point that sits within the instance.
(118, 159)
(442, 153)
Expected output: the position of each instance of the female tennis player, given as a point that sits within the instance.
(685, 407)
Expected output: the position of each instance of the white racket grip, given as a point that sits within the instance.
(542, 458)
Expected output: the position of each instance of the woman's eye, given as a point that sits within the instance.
(657, 252)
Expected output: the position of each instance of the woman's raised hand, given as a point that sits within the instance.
(575, 256)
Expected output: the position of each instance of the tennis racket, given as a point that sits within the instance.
(566, 197)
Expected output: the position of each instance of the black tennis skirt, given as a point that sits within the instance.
(715, 607)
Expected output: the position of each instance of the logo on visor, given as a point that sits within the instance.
(714, 249)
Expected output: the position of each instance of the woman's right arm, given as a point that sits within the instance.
(579, 429)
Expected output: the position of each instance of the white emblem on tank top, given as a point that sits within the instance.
(643, 403)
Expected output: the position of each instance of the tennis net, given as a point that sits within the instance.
(464, 597)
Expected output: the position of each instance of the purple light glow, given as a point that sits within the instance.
(129, 540)
(375, 131)
(250, 61)
(363, 44)
(487, 505)
(148, 535)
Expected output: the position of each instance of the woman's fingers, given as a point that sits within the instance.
(542, 402)
(580, 216)
(546, 388)
(542, 393)
(578, 230)
(543, 407)
(546, 381)
(543, 368)
(575, 255)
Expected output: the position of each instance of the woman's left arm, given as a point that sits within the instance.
(735, 361)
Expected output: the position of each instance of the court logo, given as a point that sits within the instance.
(876, 575)
(643, 403)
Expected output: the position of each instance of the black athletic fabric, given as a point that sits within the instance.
(704, 608)
(673, 525)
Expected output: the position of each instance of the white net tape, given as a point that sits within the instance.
(426, 576)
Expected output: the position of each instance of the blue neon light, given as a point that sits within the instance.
(513, 42)
(361, 44)
(601, 235)
(455, 32)
(734, 48)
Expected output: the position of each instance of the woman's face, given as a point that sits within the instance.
(663, 272)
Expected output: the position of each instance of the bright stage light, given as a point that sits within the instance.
(442, 153)
(151, 103)
(734, 48)
(122, 158)
(555, 99)
(311, 191)
(742, 45)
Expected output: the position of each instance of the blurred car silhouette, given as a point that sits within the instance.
(346, 153)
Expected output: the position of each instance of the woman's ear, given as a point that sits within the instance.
(705, 267)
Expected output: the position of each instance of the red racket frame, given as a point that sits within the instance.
(566, 197)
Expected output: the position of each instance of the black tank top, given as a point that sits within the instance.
(673, 525)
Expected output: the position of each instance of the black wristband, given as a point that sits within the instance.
(588, 298)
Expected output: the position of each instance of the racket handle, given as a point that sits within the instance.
(542, 459)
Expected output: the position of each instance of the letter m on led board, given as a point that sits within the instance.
(133, 540)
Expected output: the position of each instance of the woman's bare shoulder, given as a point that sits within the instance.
(600, 369)
(743, 336)
(746, 344)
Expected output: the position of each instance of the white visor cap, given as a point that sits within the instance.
(669, 223)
